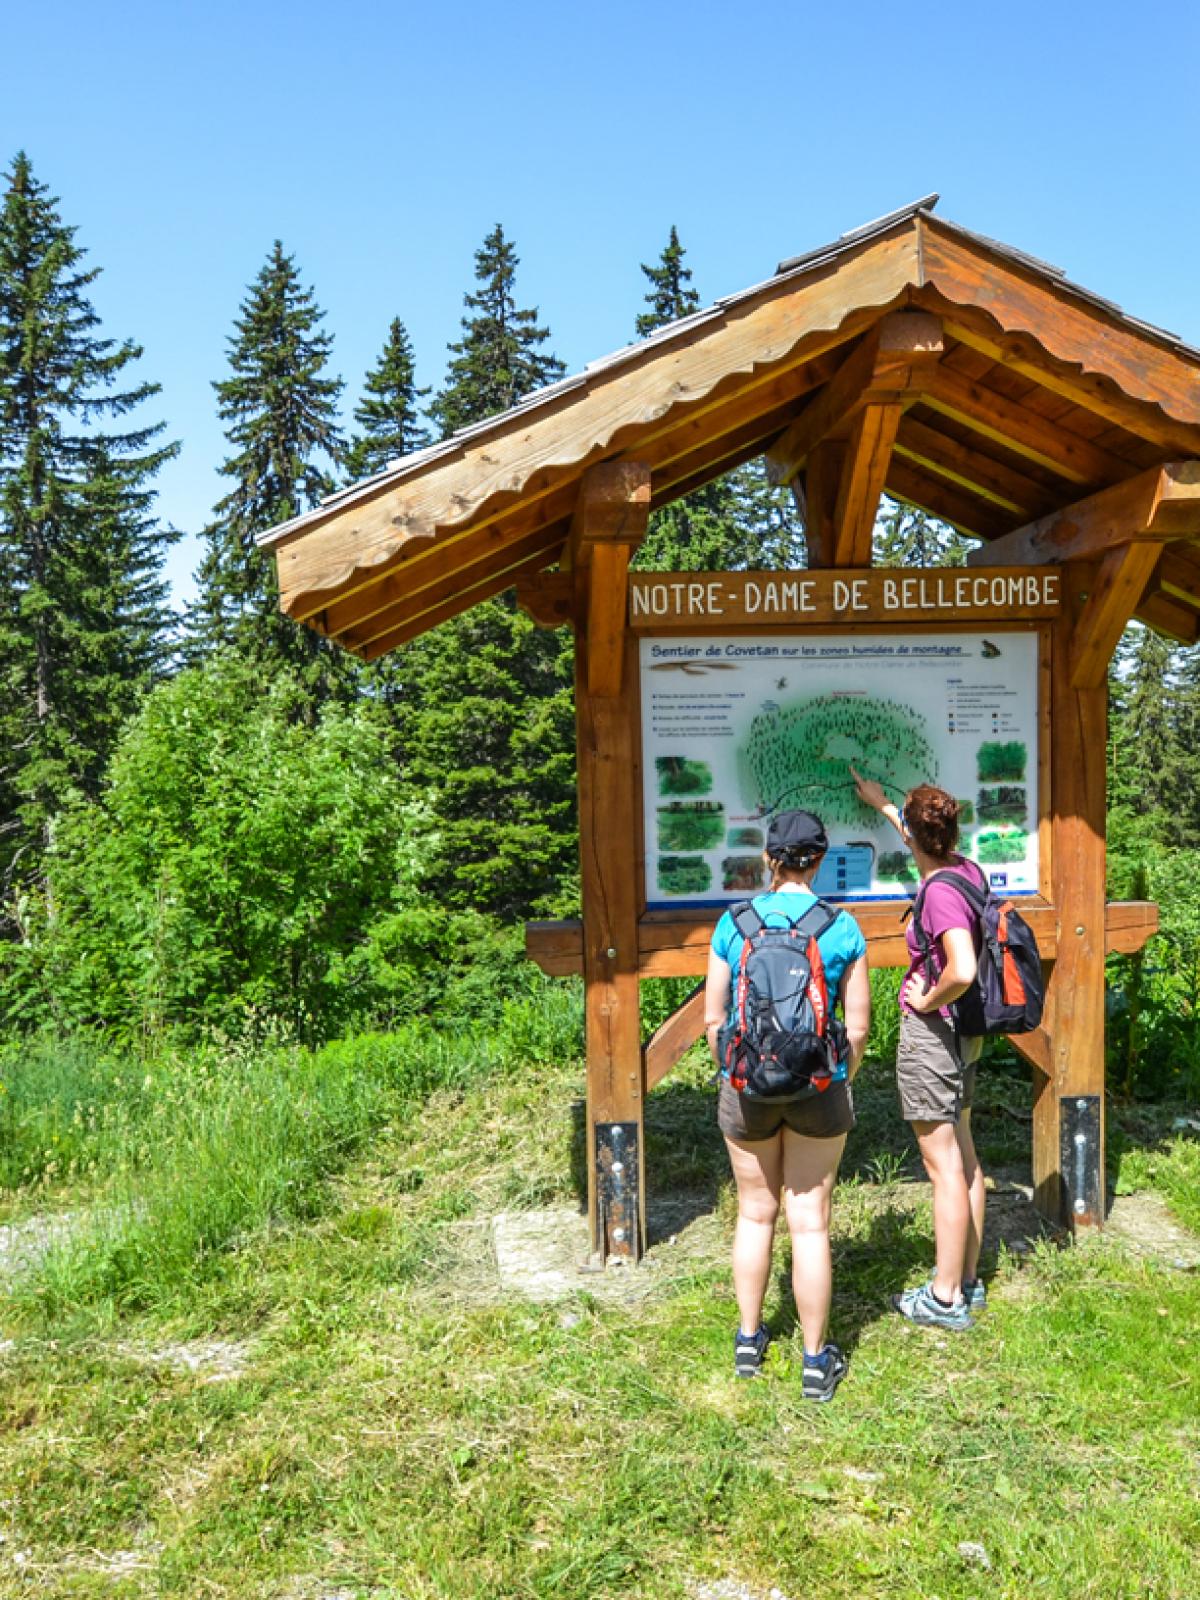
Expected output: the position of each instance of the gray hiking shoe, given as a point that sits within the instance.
(922, 1306)
(975, 1294)
(748, 1352)
(823, 1373)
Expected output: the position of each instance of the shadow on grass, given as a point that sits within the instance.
(868, 1268)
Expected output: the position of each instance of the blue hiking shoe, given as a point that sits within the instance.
(975, 1294)
(823, 1372)
(748, 1352)
(922, 1306)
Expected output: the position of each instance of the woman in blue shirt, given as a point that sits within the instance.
(789, 1148)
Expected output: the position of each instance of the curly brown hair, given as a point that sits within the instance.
(931, 817)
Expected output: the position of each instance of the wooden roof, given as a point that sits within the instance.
(1029, 395)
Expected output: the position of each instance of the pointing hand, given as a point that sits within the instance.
(869, 792)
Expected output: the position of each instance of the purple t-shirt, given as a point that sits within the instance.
(943, 908)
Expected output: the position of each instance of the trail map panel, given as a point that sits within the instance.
(735, 729)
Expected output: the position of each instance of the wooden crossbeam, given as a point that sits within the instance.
(464, 599)
(946, 501)
(707, 460)
(1179, 577)
(675, 944)
(956, 461)
(1170, 616)
(1163, 502)
(887, 367)
(437, 584)
(1021, 430)
(1111, 602)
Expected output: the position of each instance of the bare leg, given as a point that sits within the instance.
(951, 1204)
(809, 1168)
(977, 1194)
(757, 1171)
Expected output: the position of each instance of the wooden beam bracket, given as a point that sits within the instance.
(549, 598)
(674, 1038)
(1113, 599)
(888, 368)
(1161, 503)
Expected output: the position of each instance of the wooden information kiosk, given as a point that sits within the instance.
(910, 357)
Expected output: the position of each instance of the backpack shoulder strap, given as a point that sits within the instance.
(975, 894)
(819, 917)
(746, 919)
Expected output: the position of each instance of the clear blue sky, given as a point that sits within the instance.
(381, 142)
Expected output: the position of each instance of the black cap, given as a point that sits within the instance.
(796, 830)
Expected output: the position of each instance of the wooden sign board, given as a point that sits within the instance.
(758, 690)
(662, 602)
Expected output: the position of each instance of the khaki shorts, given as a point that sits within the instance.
(829, 1115)
(936, 1081)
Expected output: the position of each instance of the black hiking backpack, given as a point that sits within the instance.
(1009, 992)
(782, 1041)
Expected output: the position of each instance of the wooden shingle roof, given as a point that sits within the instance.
(1038, 395)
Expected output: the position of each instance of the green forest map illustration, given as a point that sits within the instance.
(800, 754)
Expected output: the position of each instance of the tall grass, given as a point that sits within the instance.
(190, 1151)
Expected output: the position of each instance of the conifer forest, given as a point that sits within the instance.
(298, 1295)
(214, 824)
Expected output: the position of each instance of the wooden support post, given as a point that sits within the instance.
(609, 828)
(822, 475)
(1068, 1109)
(863, 476)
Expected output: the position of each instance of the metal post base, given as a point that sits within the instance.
(1079, 1154)
(617, 1166)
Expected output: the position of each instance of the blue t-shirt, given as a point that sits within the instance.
(840, 944)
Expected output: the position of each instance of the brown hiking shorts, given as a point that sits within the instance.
(935, 1077)
(820, 1116)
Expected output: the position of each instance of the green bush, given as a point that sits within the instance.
(244, 866)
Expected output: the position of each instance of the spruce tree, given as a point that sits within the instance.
(738, 520)
(499, 358)
(483, 704)
(388, 416)
(83, 613)
(669, 296)
(908, 537)
(280, 410)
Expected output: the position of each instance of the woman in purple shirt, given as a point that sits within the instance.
(935, 1067)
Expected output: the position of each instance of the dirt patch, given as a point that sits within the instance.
(731, 1589)
(545, 1255)
(1144, 1223)
(211, 1360)
(23, 1244)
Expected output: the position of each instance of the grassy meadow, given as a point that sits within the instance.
(271, 1354)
